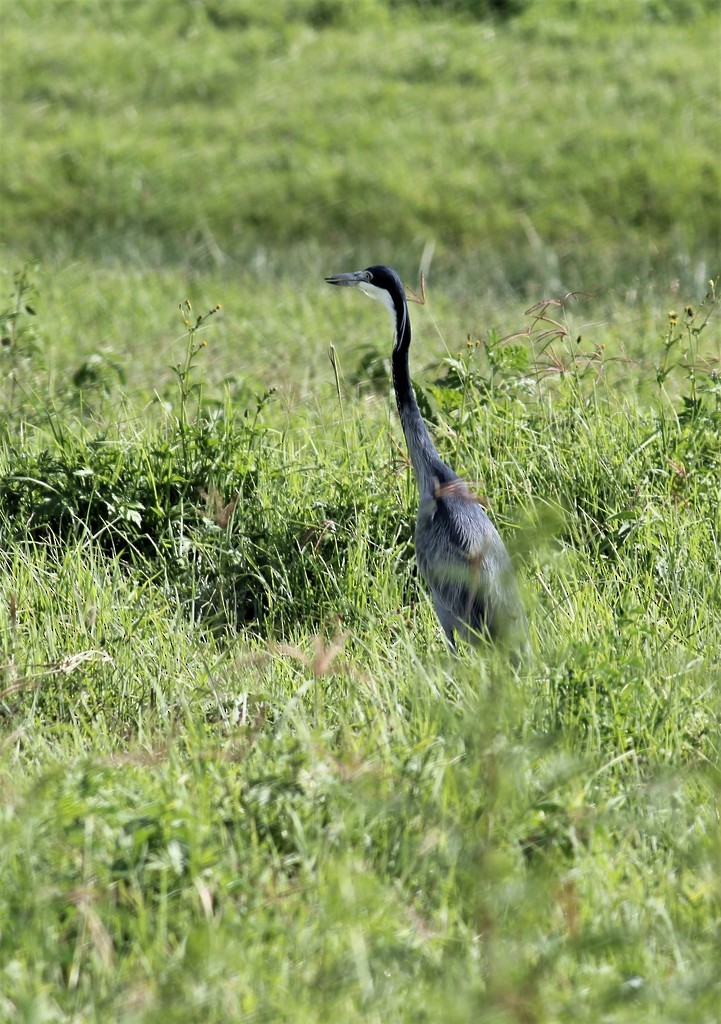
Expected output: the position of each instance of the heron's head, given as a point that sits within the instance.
(380, 283)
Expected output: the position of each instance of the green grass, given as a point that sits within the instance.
(562, 147)
(242, 778)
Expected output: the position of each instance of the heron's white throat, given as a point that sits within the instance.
(374, 292)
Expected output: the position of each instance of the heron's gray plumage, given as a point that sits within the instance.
(459, 552)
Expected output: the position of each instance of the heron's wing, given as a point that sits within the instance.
(464, 561)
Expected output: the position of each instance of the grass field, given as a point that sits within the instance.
(242, 778)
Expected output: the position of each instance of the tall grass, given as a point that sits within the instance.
(244, 779)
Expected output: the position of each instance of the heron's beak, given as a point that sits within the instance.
(348, 280)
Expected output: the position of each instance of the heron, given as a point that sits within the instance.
(459, 551)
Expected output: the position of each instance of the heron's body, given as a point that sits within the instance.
(459, 552)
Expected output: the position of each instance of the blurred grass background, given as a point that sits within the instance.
(517, 151)
(568, 144)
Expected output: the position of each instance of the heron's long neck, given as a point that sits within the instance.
(421, 449)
